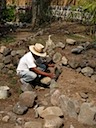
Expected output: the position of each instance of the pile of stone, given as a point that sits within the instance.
(9, 59)
(86, 64)
(53, 112)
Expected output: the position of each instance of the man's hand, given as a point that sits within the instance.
(40, 72)
(52, 75)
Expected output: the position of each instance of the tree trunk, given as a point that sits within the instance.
(2, 7)
(34, 13)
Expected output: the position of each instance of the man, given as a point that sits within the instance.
(31, 66)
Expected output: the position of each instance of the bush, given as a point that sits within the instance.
(8, 13)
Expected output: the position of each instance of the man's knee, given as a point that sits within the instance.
(34, 75)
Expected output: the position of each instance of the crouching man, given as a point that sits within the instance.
(31, 66)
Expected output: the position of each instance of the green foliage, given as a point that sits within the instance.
(7, 39)
(89, 6)
(9, 13)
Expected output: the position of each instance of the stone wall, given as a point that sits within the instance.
(67, 13)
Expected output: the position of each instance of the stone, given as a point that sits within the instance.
(78, 69)
(87, 71)
(71, 126)
(7, 59)
(15, 60)
(77, 50)
(55, 97)
(1, 66)
(68, 106)
(33, 124)
(46, 80)
(54, 110)
(57, 57)
(5, 118)
(83, 95)
(64, 61)
(13, 116)
(87, 114)
(92, 63)
(39, 110)
(1, 58)
(27, 98)
(54, 84)
(53, 121)
(73, 63)
(2, 49)
(60, 45)
(58, 71)
(93, 77)
(6, 51)
(4, 92)
(21, 52)
(20, 121)
(13, 53)
(83, 63)
(70, 41)
(19, 109)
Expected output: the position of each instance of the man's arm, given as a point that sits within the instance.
(40, 72)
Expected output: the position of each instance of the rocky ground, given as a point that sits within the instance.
(69, 102)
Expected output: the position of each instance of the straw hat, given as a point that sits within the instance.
(37, 49)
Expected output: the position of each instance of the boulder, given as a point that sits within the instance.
(27, 98)
(53, 121)
(87, 114)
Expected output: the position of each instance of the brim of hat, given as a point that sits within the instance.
(32, 49)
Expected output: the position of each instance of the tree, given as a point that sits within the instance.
(39, 11)
(2, 7)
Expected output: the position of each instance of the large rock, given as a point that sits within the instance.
(27, 98)
(33, 124)
(68, 106)
(53, 121)
(53, 84)
(51, 111)
(6, 51)
(87, 114)
(60, 45)
(57, 57)
(77, 50)
(19, 109)
(21, 52)
(7, 59)
(55, 97)
(73, 63)
(70, 41)
(46, 80)
(4, 92)
(87, 71)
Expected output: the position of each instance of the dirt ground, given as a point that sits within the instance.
(71, 83)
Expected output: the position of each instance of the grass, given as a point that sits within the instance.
(7, 39)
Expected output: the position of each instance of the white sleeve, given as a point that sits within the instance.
(30, 61)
